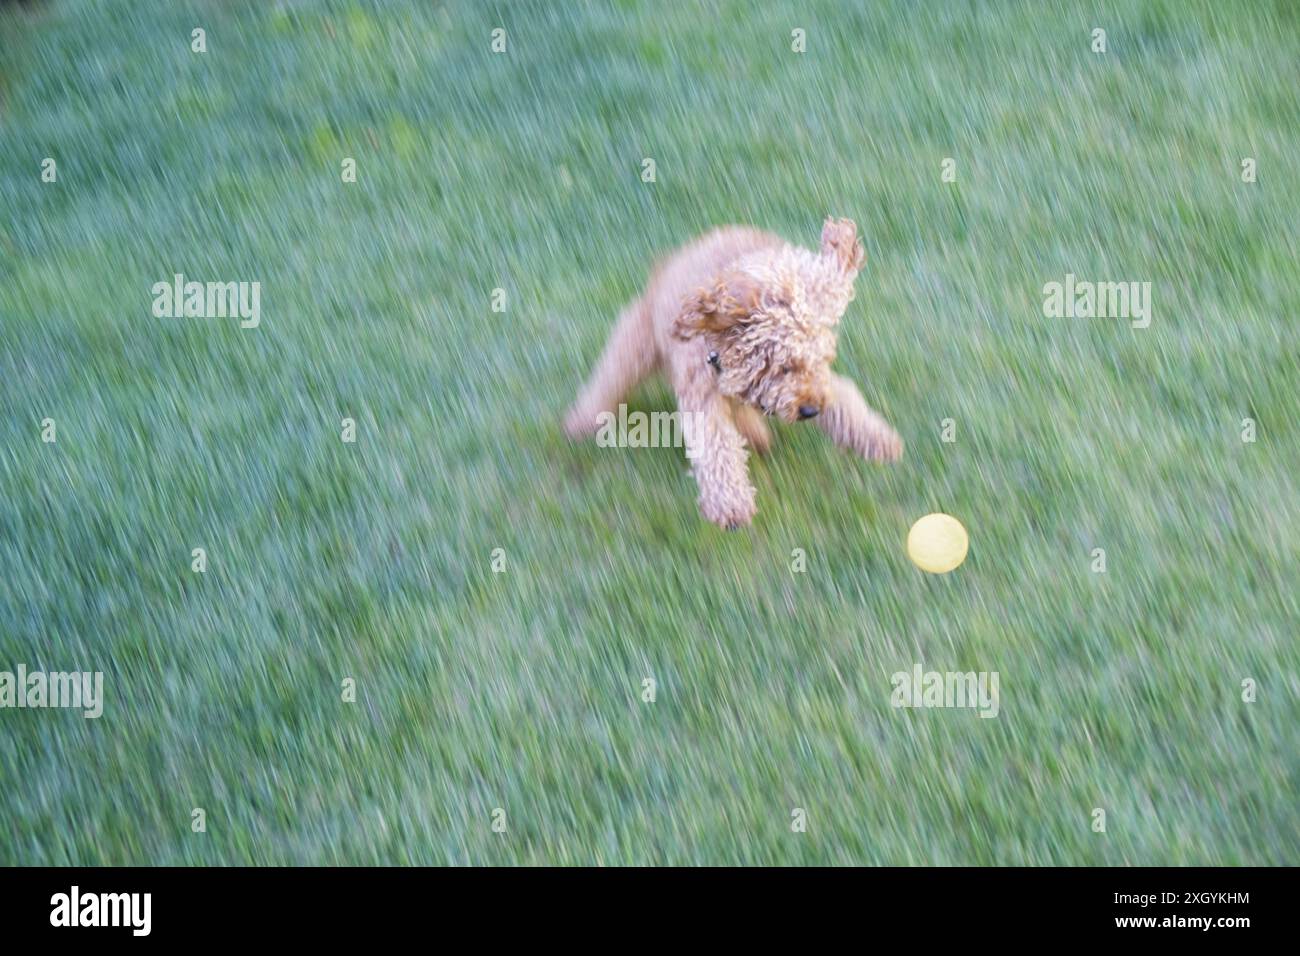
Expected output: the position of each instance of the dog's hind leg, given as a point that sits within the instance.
(629, 356)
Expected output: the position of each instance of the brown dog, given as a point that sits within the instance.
(743, 324)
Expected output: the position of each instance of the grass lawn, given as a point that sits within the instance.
(522, 690)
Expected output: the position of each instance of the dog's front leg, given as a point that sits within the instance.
(717, 453)
(749, 422)
(853, 424)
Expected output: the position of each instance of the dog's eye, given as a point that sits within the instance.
(787, 369)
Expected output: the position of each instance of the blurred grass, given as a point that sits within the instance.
(521, 690)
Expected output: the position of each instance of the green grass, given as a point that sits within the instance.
(521, 690)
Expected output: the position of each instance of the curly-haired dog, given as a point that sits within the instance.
(743, 324)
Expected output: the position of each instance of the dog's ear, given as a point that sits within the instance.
(718, 307)
(840, 243)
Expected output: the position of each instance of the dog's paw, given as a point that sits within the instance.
(884, 444)
(729, 514)
(579, 423)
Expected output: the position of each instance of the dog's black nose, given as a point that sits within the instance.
(808, 411)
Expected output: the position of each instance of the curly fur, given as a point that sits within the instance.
(743, 324)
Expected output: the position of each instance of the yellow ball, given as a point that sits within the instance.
(937, 543)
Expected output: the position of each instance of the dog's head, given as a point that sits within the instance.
(769, 322)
